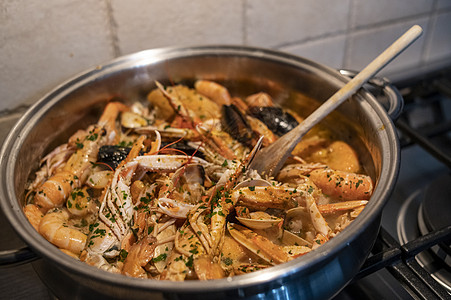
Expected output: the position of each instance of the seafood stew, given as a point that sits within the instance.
(161, 190)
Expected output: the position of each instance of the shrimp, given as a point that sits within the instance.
(80, 203)
(206, 269)
(338, 155)
(342, 157)
(34, 215)
(214, 91)
(259, 99)
(343, 185)
(53, 227)
(260, 129)
(53, 192)
(165, 214)
(339, 185)
(138, 256)
(193, 122)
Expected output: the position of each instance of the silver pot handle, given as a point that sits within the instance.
(17, 257)
(385, 92)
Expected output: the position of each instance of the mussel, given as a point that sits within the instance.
(275, 118)
(112, 155)
(234, 123)
(185, 147)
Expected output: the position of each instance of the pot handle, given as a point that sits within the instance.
(385, 92)
(17, 256)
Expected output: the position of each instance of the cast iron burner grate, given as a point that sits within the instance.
(421, 260)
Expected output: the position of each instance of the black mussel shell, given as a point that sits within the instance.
(183, 146)
(234, 123)
(112, 155)
(276, 119)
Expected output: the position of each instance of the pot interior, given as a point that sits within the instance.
(301, 86)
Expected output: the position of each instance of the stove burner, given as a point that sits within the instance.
(436, 204)
(436, 209)
(411, 225)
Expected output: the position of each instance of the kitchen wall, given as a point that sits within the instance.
(43, 43)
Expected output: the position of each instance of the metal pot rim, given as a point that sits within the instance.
(12, 209)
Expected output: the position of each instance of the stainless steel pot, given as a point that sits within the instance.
(76, 103)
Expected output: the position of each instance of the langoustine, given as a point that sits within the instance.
(160, 213)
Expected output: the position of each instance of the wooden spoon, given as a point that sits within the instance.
(270, 160)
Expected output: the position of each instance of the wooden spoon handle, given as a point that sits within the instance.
(271, 159)
(360, 79)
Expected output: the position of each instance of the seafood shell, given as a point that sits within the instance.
(132, 120)
(259, 220)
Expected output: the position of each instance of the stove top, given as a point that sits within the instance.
(411, 257)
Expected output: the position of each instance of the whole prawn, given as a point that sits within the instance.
(54, 228)
(55, 190)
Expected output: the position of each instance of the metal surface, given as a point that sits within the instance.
(387, 94)
(77, 102)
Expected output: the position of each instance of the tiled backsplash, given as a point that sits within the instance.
(43, 43)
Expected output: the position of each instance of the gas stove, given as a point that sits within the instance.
(411, 256)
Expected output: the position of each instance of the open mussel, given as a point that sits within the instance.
(276, 119)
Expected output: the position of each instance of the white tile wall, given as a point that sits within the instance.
(366, 45)
(144, 24)
(440, 41)
(443, 4)
(43, 43)
(369, 12)
(329, 51)
(270, 23)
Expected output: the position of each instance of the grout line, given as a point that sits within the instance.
(112, 24)
(244, 21)
(351, 22)
(310, 39)
(356, 30)
(395, 21)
